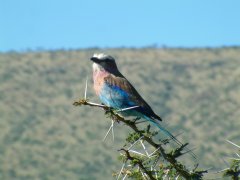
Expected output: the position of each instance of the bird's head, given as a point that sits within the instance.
(103, 62)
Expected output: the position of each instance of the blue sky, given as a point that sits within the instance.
(54, 24)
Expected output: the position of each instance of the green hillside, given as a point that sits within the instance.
(43, 136)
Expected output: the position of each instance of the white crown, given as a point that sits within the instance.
(103, 56)
(100, 56)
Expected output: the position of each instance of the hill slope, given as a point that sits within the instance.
(195, 91)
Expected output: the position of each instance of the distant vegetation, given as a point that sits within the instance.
(43, 136)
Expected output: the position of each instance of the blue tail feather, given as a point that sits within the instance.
(166, 132)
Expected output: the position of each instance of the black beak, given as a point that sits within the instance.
(94, 59)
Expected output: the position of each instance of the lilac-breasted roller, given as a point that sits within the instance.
(115, 91)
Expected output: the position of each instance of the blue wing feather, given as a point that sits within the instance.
(119, 93)
(115, 97)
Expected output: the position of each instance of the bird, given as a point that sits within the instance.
(115, 91)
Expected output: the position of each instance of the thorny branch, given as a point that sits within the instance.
(169, 157)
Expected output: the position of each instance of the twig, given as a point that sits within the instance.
(121, 170)
(85, 102)
(124, 177)
(85, 93)
(135, 143)
(110, 128)
(144, 148)
(136, 152)
(233, 143)
(125, 109)
(143, 175)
